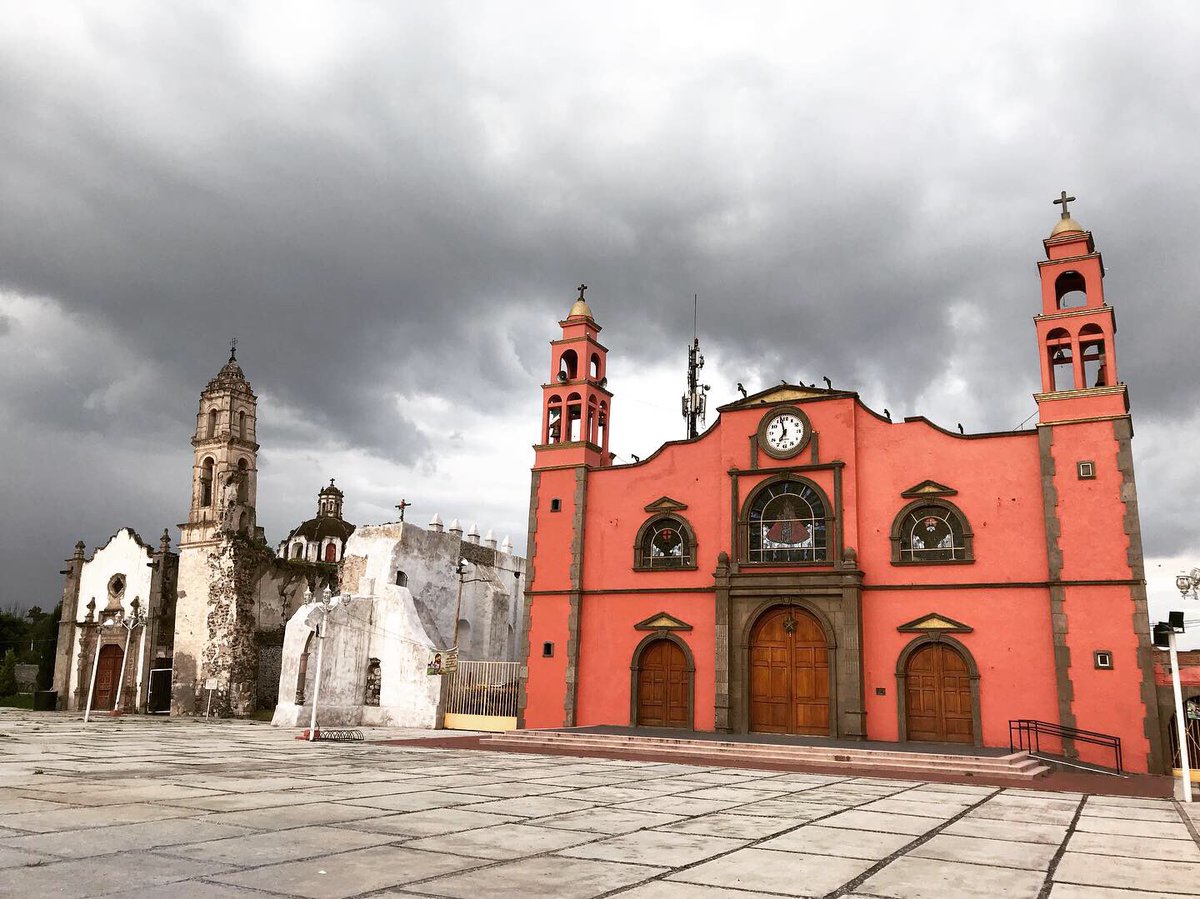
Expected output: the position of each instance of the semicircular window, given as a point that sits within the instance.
(788, 523)
(665, 543)
(933, 534)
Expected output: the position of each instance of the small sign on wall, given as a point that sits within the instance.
(443, 662)
(211, 684)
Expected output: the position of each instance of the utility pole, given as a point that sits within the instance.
(695, 400)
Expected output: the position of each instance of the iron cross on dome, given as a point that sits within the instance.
(1062, 201)
(583, 287)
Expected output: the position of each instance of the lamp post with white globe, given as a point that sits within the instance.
(1189, 586)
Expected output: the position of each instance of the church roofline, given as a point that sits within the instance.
(819, 395)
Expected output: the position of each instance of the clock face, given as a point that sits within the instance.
(785, 432)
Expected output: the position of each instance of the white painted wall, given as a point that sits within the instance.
(378, 623)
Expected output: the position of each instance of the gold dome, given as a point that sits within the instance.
(580, 308)
(1065, 224)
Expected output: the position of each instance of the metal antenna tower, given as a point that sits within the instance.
(695, 400)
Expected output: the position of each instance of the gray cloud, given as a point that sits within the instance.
(392, 207)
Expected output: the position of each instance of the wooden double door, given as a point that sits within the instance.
(938, 706)
(789, 674)
(108, 673)
(663, 686)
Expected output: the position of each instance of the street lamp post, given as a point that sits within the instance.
(1187, 584)
(321, 609)
(131, 622)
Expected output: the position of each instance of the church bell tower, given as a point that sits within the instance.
(225, 459)
(576, 404)
(1076, 328)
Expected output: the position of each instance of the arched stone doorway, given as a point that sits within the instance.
(939, 693)
(108, 673)
(789, 673)
(662, 673)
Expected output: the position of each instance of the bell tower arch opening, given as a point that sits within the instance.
(225, 456)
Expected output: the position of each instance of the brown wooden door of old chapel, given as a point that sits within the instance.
(789, 674)
(108, 670)
(937, 696)
(663, 686)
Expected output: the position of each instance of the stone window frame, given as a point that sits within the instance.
(646, 532)
(964, 523)
(830, 518)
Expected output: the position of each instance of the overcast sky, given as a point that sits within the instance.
(390, 205)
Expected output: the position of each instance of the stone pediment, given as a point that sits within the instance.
(784, 393)
(934, 623)
(663, 621)
(929, 488)
(665, 504)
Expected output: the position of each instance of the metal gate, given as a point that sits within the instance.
(158, 702)
(482, 696)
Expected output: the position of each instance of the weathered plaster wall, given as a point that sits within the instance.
(383, 624)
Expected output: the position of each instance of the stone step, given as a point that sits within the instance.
(1016, 765)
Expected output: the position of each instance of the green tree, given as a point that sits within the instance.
(8, 674)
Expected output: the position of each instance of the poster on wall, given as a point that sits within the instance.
(443, 662)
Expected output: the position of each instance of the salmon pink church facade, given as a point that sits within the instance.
(807, 566)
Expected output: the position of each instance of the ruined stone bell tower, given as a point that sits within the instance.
(221, 549)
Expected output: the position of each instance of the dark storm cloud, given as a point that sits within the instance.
(387, 206)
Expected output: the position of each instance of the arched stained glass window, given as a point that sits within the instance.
(788, 522)
(931, 532)
(665, 543)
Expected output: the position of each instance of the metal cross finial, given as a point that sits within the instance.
(233, 350)
(1062, 201)
(582, 288)
(402, 505)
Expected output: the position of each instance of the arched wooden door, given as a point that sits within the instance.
(937, 698)
(663, 685)
(108, 671)
(789, 674)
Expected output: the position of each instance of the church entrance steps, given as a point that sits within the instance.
(842, 754)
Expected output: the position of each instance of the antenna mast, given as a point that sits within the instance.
(695, 400)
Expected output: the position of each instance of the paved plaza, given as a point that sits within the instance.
(231, 810)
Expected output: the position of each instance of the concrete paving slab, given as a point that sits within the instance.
(981, 851)
(925, 878)
(270, 848)
(530, 806)
(187, 889)
(1074, 891)
(1164, 813)
(289, 816)
(792, 806)
(607, 820)
(942, 811)
(1151, 829)
(503, 841)
(1117, 845)
(1016, 830)
(18, 858)
(769, 871)
(430, 823)
(655, 847)
(85, 878)
(350, 873)
(232, 802)
(415, 802)
(884, 823)
(546, 876)
(1128, 873)
(740, 795)
(95, 816)
(680, 805)
(662, 889)
(14, 805)
(1062, 816)
(735, 826)
(510, 789)
(90, 842)
(814, 839)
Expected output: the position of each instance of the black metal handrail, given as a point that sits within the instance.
(1026, 734)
